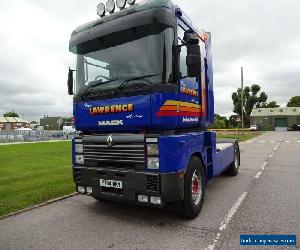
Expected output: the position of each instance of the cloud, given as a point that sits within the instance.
(261, 36)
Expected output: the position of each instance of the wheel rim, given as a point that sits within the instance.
(196, 187)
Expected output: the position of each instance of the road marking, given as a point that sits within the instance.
(258, 174)
(287, 141)
(298, 141)
(227, 219)
(262, 141)
(272, 141)
(237, 204)
(264, 165)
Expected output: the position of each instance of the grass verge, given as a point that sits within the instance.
(241, 136)
(34, 173)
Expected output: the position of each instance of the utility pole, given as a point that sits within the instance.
(242, 94)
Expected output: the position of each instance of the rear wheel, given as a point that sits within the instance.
(233, 169)
(194, 188)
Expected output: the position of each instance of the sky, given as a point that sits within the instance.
(262, 36)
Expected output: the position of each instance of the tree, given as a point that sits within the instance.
(294, 102)
(11, 114)
(220, 122)
(252, 98)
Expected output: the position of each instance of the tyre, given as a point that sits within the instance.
(194, 188)
(233, 169)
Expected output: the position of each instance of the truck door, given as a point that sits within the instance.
(189, 89)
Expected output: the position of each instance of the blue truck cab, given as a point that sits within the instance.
(143, 99)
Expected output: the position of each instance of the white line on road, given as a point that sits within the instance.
(227, 219)
(258, 174)
(262, 141)
(287, 141)
(235, 207)
(264, 165)
(298, 141)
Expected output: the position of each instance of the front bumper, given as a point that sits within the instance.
(170, 187)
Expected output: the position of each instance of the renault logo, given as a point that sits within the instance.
(109, 141)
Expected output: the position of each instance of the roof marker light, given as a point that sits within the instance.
(110, 6)
(131, 2)
(101, 10)
(121, 4)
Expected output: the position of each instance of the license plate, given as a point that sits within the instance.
(111, 184)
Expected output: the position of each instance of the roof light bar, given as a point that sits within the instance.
(110, 6)
(101, 10)
(131, 2)
(121, 4)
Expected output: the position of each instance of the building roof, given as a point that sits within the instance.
(286, 111)
(12, 120)
(2, 119)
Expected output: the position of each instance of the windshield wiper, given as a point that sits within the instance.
(123, 84)
(96, 84)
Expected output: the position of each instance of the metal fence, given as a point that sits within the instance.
(31, 136)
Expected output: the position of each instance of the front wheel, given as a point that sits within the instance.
(194, 188)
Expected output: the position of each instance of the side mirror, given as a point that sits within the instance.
(193, 60)
(70, 82)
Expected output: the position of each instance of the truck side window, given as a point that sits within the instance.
(183, 54)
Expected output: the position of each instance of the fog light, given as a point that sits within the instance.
(155, 200)
(143, 198)
(89, 190)
(81, 189)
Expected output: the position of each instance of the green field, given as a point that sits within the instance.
(33, 173)
(241, 136)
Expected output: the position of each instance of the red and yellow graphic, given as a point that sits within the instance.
(177, 108)
(105, 110)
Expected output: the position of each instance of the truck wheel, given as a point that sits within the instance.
(233, 169)
(194, 188)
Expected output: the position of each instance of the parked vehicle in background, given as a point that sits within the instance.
(295, 127)
(69, 129)
(253, 127)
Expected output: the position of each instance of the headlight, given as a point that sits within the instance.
(152, 149)
(101, 10)
(110, 6)
(78, 148)
(121, 4)
(79, 159)
(153, 163)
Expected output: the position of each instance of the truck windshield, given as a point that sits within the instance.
(138, 52)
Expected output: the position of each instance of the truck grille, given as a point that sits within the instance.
(152, 183)
(124, 150)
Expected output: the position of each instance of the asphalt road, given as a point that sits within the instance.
(263, 199)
